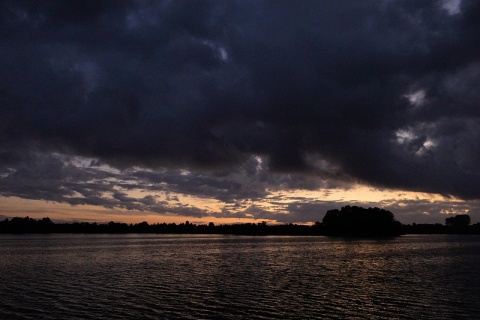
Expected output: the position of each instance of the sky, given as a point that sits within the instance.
(239, 111)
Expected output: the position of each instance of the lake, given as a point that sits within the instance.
(145, 276)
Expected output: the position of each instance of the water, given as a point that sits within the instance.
(238, 277)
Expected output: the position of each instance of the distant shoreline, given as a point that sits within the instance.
(43, 226)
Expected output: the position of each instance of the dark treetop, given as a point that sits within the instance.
(360, 221)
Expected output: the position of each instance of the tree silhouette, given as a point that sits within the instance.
(360, 221)
(460, 220)
(349, 221)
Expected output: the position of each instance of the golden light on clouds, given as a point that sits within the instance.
(361, 193)
(177, 208)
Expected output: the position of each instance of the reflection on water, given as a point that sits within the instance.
(218, 276)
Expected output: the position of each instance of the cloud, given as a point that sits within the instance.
(378, 93)
(249, 192)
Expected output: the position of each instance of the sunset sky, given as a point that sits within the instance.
(239, 111)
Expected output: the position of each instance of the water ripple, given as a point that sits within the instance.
(228, 277)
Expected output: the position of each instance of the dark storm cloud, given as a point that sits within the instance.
(382, 92)
(58, 178)
(246, 192)
(54, 177)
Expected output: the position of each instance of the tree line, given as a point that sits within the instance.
(348, 221)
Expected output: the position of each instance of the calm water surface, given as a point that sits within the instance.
(238, 277)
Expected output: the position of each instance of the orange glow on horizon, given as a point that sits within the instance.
(276, 202)
(60, 212)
